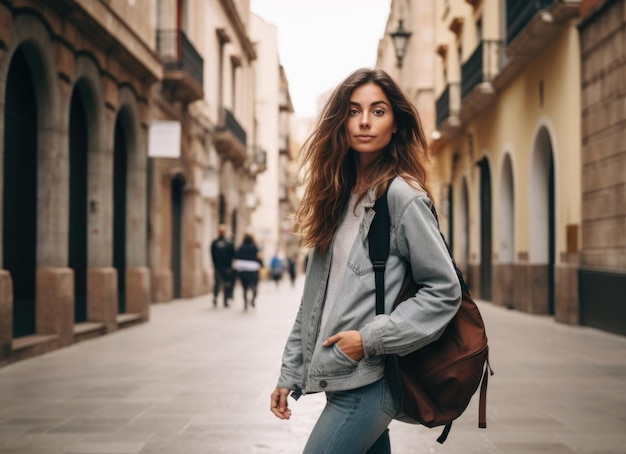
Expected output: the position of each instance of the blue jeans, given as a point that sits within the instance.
(354, 422)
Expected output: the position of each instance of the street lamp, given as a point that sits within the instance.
(400, 40)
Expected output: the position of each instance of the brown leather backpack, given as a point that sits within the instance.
(435, 383)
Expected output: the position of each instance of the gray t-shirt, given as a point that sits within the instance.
(344, 239)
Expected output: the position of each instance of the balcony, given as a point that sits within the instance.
(183, 75)
(448, 108)
(530, 25)
(230, 138)
(258, 160)
(477, 73)
(284, 101)
(283, 145)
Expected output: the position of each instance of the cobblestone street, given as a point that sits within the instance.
(197, 379)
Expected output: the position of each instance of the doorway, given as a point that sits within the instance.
(78, 203)
(19, 229)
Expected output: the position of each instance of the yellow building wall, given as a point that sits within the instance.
(510, 124)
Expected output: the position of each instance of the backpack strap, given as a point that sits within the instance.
(378, 239)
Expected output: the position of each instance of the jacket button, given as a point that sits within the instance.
(323, 384)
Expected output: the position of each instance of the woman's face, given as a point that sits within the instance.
(370, 123)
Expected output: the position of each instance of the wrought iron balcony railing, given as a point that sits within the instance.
(449, 103)
(179, 54)
(228, 122)
(519, 13)
(258, 160)
(482, 66)
(443, 105)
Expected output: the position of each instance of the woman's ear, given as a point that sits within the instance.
(395, 128)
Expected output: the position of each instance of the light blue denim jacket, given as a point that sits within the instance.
(307, 366)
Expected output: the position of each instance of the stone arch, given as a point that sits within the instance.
(542, 220)
(505, 225)
(129, 196)
(86, 163)
(486, 220)
(506, 211)
(38, 238)
(99, 157)
(137, 177)
(461, 226)
(31, 36)
(178, 184)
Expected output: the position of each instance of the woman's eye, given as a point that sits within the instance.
(354, 112)
(379, 112)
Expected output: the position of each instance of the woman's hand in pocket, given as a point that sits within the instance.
(348, 342)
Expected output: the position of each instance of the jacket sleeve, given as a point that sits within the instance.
(292, 369)
(422, 318)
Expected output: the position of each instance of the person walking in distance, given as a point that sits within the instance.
(368, 140)
(277, 267)
(222, 253)
(291, 269)
(247, 264)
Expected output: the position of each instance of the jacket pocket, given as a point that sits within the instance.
(359, 260)
(332, 361)
(343, 356)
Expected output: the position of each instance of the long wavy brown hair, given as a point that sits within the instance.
(330, 166)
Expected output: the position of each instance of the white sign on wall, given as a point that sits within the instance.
(164, 139)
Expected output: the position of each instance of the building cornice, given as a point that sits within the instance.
(102, 23)
(240, 29)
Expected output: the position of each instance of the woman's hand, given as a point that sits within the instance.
(279, 405)
(349, 342)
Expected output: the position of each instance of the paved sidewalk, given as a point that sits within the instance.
(197, 380)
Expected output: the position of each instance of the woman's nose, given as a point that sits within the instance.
(365, 123)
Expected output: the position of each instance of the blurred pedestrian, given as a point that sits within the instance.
(368, 141)
(291, 269)
(222, 253)
(277, 268)
(247, 264)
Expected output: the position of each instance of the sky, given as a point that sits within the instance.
(320, 42)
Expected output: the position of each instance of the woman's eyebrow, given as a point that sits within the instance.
(375, 103)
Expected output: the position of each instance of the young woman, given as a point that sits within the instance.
(368, 138)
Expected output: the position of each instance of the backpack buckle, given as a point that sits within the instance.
(379, 265)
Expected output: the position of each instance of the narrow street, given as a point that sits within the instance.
(197, 379)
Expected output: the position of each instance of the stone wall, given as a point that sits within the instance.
(603, 255)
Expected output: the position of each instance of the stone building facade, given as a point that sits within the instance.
(273, 196)
(208, 91)
(603, 254)
(75, 90)
(127, 135)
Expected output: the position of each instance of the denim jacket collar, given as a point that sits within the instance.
(368, 216)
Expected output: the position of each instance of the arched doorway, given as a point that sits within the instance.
(506, 210)
(542, 253)
(462, 246)
(78, 138)
(506, 233)
(120, 185)
(485, 229)
(19, 232)
(177, 191)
